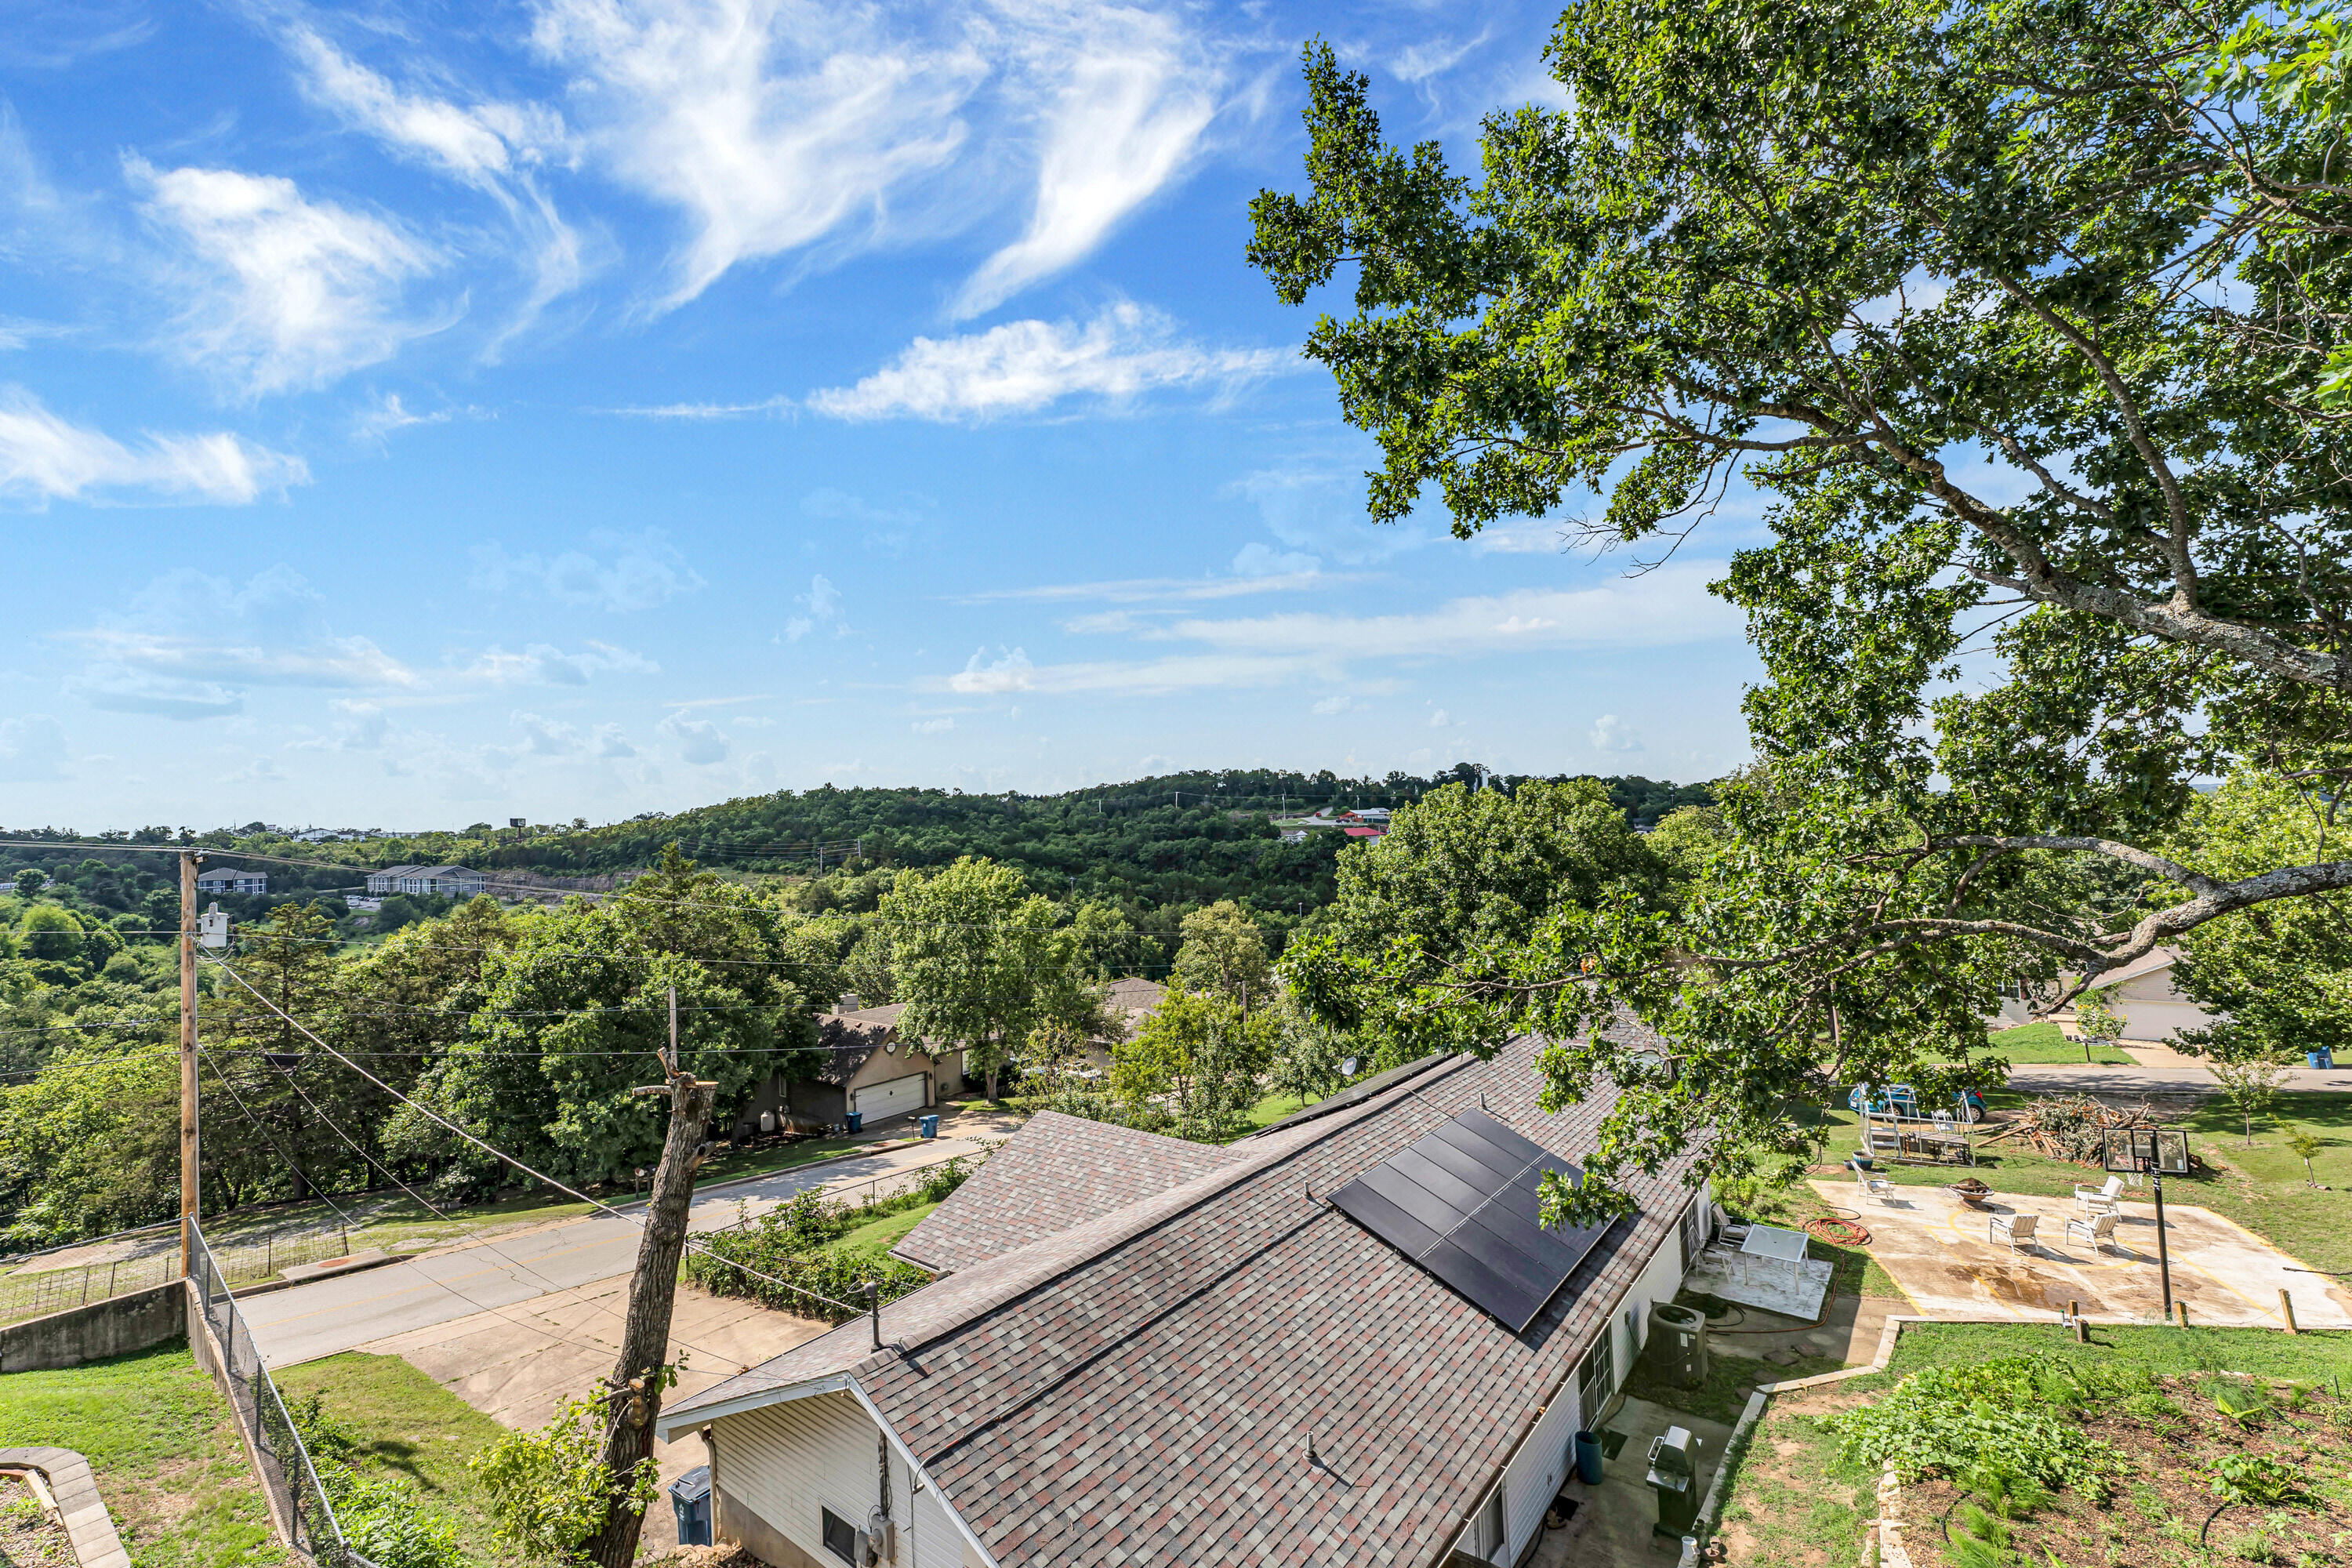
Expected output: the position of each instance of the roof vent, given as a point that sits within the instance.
(849, 1002)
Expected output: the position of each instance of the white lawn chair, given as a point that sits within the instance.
(1943, 1121)
(2098, 1230)
(2095, 1201)
(1874, 1185)
(2015, 1229)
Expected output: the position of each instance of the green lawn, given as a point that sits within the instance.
(879, 1235)
(408, 1427)
(160, 1442)
(2319, 1355)
(1273, 1109)
(2035, 1044)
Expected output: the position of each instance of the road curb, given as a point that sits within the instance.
(268, 1287)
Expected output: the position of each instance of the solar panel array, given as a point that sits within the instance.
(1463, 1202)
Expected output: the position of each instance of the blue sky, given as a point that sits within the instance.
(412, 415)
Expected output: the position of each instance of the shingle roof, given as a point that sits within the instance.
(1057, 1171)
(1141, 1388)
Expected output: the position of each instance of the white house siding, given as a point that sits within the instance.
(937, 1543)
(789, 1461)
(1535, 1476)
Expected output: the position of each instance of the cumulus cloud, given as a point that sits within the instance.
(1127, 94)
(628, 571)
(1437, 721)
(1023, 366)
(543, 664)
(1612, 734)
(45, 458)
(611, 743)
(1009, 671)
(546, 737)
(824, 604)
(699, 741)
(280, 292)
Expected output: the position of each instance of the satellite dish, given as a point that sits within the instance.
(1348, 1067)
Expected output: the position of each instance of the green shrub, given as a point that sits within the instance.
(2014, 1418)
(548, 1489)
(387, 1523)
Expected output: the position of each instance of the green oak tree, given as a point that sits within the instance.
(2025, 317)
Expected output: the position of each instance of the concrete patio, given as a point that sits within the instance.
(1611, 1527)
(1939, 1251)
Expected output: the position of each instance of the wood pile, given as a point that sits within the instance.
(2068, 1126)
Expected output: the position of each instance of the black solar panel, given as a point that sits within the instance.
(1463, 1202)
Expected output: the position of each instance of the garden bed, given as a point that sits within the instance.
(2131, 1475)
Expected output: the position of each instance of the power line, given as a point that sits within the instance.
(498, 1153)
(257, 1126)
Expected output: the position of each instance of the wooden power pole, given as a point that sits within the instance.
(636, 1390)
(189, 1192)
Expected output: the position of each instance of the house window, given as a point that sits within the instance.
(840, 1539)
(1694, 1231)
(1596, 1379)
(1487, 1535)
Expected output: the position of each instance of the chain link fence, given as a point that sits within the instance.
(286, 1471)
(32, 1291)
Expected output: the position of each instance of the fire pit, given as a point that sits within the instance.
(1969, 1191)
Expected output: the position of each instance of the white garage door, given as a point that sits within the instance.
(900, 1095)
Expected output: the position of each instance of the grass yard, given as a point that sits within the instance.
(1273, 1109)
(877, 1236)
(163, 1447)
(1795, 1499)
(2040, 1044)
(405, 1426)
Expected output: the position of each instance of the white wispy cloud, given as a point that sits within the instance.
(1613, 735)
(492, 145)
(626, 572)
(1123, 97)
(1023, 366)
(770, 124)
(45, 458)
(543, 664)
(1667, 607)
(1146, 590)
(767, 407)
(823, 602)
(279, 292)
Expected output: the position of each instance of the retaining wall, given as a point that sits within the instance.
(135, 1320)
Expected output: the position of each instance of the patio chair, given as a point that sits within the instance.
(2099, 1231)
(1874, 1185)
(2016, 1229)
(2099, 1200)
(1943, 1121)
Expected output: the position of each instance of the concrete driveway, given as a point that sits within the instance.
(506, 1271)
(1939, 1251)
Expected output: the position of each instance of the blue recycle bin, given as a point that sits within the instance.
(1588, 1459)
(930, 1126)
(856, 1122)
(2324, 1058)
(690, 1495)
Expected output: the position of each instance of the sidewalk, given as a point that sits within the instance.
(2137, 1081)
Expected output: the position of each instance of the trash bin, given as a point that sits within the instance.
(1678, 1344)
(1674, 1476)
(930, 1126)
(690, 1495)
(2324, 1058)
(856, 1122)
(1588, 1459)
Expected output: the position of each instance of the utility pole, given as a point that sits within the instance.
(639, 1376)
(189, 1193)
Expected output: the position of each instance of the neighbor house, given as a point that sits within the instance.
(2141, 994)
(213, 884)
(428, 881)
(1143, 1353)
(867, 1068)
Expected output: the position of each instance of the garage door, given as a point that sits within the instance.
(898, 1096)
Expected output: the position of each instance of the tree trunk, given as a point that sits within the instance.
(636, 1390)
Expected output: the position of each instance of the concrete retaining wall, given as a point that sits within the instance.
(134, 1321)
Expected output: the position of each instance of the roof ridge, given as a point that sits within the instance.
(1049, 1258)
(948, 1305)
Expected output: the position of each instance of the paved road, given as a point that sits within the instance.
(333, 1315)
(2136, 1081)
